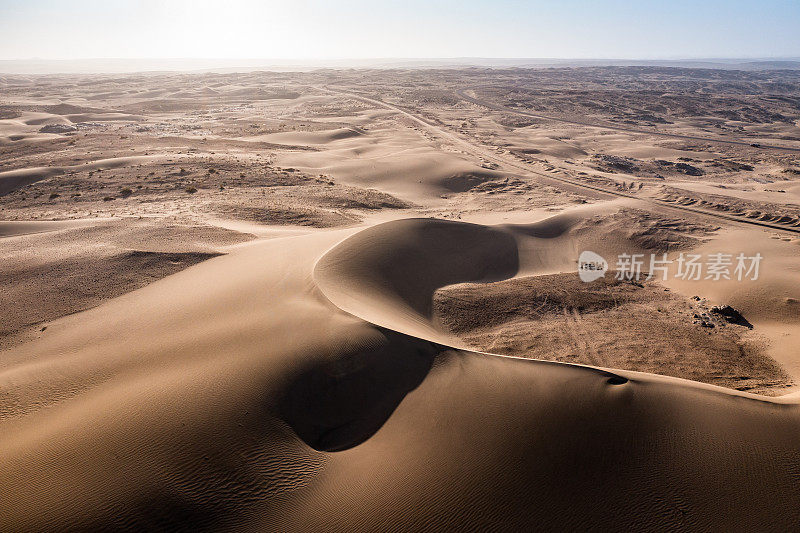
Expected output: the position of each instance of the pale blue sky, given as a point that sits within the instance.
(315, 29)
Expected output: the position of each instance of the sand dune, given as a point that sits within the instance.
(242, 433)
(14, 179)
(281, 305)
(41, 119)
(309, 138)
(417, 173)
(33, 125)
(12, 228)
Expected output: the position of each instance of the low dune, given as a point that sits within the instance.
(53, 269)
(14, 228)
(311, 137)
(419, 174)
(11, 180)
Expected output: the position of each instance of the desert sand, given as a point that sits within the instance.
(349, 301)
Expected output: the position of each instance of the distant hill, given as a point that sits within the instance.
(82, 66)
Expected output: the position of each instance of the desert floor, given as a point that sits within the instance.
(349, 299)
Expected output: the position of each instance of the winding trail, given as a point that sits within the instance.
(559, 181)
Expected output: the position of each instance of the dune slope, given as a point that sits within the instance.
(302, 384)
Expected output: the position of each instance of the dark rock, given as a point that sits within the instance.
(688, 169)
(57, 128)
(731, 315)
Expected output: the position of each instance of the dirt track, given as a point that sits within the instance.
(558, 180)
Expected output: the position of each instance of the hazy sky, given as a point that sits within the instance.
(315, 29)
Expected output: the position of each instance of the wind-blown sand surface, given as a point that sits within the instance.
(195, 402)
(270, 302)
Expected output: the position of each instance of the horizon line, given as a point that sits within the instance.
(408, 58)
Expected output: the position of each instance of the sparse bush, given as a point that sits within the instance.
(108, 198)
(54, 195)
(190, 190)
(125, 192)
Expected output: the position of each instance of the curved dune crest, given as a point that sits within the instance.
(309, 137)
(301, 384)
(387, 274)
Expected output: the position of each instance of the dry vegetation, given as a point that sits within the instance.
(610, 323)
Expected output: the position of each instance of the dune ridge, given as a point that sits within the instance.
(193, 404)
(11, 180)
